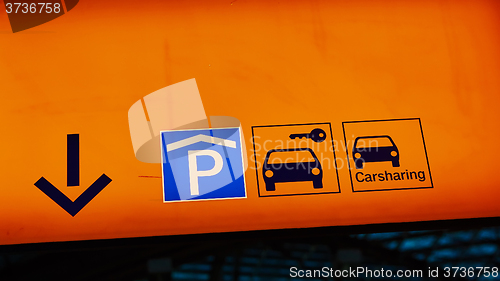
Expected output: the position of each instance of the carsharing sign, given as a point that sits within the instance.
(203, 164)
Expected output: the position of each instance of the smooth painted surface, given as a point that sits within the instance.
(264, 63)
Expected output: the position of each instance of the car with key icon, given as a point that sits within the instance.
(295, 159)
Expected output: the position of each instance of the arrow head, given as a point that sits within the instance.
(73, 207)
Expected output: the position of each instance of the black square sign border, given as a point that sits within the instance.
(402, 188)
(284, 125)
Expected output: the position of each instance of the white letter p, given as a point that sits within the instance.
(194, 174)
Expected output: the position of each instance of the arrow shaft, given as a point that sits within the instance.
(73, 160)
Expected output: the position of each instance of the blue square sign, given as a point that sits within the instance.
(202, 164)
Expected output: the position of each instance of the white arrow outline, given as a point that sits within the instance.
(198, 138)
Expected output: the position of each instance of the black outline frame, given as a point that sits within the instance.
(285, 125)
(392, 189)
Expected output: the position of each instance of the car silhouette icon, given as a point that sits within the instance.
(384, 149)
(300, 164)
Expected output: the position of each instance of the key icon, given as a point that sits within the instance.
(316, 135)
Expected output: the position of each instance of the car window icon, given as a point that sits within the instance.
(374, 149)
(305, 166)
(202, 164)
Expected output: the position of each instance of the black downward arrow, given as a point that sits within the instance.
(73, 172)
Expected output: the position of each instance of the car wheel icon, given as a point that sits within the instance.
(359, 162)
(318, 184)
(271, 186)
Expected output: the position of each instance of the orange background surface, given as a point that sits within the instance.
(265, 63)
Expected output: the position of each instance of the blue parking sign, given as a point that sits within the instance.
(202, 164)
